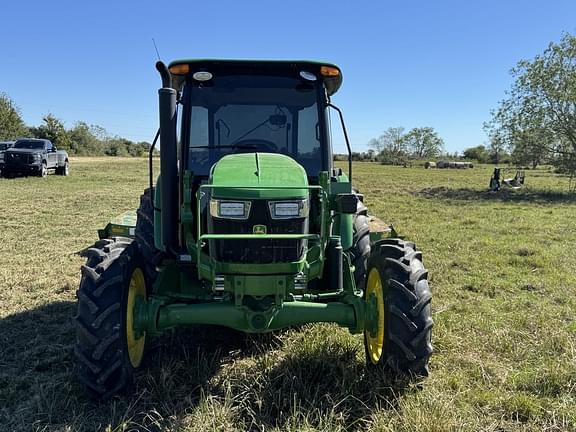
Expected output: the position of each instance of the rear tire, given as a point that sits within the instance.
(144, 235)
(360, 250)
(64, 170)
(402, 344)
(104, 362)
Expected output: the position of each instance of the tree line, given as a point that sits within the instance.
(396, 147)
(534, 124)
(82, 139)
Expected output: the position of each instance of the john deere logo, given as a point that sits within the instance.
(259, 229)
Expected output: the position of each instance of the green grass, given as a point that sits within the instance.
(501, 268)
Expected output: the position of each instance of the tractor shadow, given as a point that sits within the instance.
(251, 378)
(38, 388)
(525, 194)
(326, 389)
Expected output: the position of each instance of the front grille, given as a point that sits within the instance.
(18, 158)
(258, 251)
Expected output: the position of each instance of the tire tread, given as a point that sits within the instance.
(102, 364)
(408, 325)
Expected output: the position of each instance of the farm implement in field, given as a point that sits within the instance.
(249, 226)
(515, 182)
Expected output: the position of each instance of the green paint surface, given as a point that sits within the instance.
(122, 225)
(126, 219)
(259, 175)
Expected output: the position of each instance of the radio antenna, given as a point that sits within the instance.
(156, 48)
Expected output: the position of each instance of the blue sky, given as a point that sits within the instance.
(443, 64)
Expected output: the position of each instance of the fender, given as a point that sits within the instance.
(62, 157)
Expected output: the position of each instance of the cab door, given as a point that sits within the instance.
(52, 156)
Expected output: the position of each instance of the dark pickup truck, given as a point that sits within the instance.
(4, 145)
(36, 157)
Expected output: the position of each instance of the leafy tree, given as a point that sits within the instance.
(424, 142)
(145, 145)
(118, 147)
(11, 124)
(53, 130)
(519, 126)
(393, 140)
(391, 146)
(496, 149)
(538, 117)
(531, 147)
(84, 140)
(478, 153)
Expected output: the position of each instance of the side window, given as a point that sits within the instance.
(308, 132)
(178, 128)
(199, 127)
(198, 158)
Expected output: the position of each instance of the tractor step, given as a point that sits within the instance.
(378, 229)
(123, 225)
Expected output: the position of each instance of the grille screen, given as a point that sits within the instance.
(21, 158)
(258, 251)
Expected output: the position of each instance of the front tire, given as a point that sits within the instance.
(43, 171)
(398, 336)
(107, 350)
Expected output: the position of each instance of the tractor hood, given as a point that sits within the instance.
(264, 175)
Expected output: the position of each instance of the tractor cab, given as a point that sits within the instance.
(231, 107)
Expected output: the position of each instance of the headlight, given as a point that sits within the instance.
(230, 209)
(37, 157)
(288, 209)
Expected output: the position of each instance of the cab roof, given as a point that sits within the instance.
(330, 73)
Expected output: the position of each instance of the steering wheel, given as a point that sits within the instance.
(251, 143)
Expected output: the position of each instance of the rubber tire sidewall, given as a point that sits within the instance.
(64, 170)
(125, 263)
(395, 359)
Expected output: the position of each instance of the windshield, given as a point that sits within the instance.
(253, 113)
(3, 146)
(35, 145)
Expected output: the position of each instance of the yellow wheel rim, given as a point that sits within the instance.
(375, 341)
(137, 288)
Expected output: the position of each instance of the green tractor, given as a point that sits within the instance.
(250, 226)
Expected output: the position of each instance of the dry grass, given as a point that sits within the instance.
(502, 271)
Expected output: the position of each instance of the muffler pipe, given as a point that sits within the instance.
(168, 161)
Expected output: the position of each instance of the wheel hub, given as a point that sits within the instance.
(135, 340)
(374, 333)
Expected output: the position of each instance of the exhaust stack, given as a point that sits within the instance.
(168, 161)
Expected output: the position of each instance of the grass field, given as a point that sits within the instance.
(502, 268)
